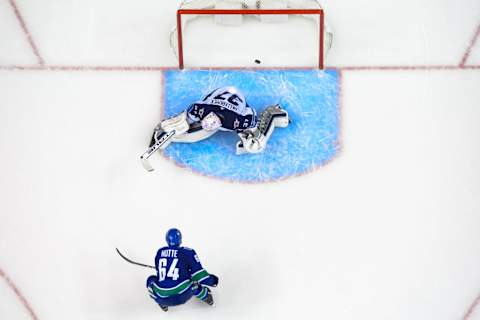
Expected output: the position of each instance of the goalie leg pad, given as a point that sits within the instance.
(163, 135)
(178, 123)
(255, 140)
(168, 130)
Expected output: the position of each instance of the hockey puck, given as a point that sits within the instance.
(257, 61)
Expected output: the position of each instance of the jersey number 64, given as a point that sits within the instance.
(172, 271)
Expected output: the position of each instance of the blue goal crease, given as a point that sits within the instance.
(311, 140)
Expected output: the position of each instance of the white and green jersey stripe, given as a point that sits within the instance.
(167, 292)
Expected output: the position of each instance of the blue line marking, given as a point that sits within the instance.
(311, 140)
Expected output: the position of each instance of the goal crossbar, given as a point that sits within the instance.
(181, 12)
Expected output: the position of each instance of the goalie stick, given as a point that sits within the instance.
(151, 150)
(133, 262)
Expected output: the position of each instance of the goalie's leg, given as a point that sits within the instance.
(255, 140)
(163, 135)
(177, 129)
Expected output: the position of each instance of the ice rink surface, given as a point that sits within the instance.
(305, 144)
(390, 229)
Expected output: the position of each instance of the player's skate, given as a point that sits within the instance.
(255, 140)
(164, 308)
(209, 298)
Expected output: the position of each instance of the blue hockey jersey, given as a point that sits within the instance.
(177, 269)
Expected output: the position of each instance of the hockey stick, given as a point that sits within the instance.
(133, 262)
(151, 150)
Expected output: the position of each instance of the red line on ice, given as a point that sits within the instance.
(79, 68)
(470, 47)
(472, 308)
(18, 294)
(26, 32)
(407, 68)
(159, 68)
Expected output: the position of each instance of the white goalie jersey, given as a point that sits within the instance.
(225, 106)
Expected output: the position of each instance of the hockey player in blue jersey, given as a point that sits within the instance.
(180, 275)
(224, 109)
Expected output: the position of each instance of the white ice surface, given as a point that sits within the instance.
(14, 47)
(475, 315)
(11, 307)
(388, 230)
(401, 32)
(102, 32)
(474, 57)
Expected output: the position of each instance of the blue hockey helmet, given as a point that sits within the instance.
(173, 237)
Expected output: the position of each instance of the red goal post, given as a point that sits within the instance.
(319, 12)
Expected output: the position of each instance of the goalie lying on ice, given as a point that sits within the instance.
(222, 109)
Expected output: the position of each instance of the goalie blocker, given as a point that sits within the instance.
(223, 109)
(255, 140)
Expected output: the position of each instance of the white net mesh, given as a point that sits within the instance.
(237, 20)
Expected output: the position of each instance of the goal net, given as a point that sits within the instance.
(249, 33)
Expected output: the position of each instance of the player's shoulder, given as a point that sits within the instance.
(187, 249)
(190, 254)
(187, 252)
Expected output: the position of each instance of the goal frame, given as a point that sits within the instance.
(319, 12)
